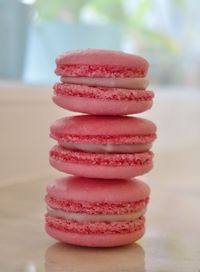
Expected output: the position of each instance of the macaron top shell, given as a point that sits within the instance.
(114, 64)
(103, 129)
(94, 190)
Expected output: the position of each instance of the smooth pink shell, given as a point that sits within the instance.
(95, 190)
(100, 63)
(103, 129)
(101, 56)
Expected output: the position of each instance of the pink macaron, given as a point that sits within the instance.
(104, 147)
(88, 212)
(102, 82)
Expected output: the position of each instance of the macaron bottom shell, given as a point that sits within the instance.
(102, 172)
(95, 240)
(101, 107)
(95, 165)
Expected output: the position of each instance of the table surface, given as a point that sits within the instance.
(172, 239)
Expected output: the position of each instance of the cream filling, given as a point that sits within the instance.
(95, 217)
(107, 148)
(126, 83)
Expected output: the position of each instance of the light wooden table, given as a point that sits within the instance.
(172, 239)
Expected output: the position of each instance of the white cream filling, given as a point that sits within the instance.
(95, 217)
(107, 148)
(126, 83)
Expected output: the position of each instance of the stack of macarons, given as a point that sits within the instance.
(103, 204)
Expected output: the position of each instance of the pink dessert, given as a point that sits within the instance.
(103, 147)
(90, 212)
(102, 82)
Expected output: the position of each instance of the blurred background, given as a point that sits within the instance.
(166, 32)
(34, 32)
